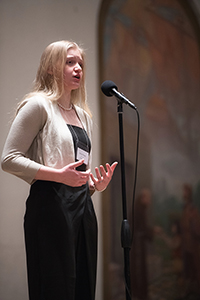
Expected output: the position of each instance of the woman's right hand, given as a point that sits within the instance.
(67, 175)
(70, 176)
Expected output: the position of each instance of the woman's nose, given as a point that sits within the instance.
(78, 67)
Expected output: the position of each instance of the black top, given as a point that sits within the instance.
(81, 140)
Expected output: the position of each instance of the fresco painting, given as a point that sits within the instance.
(150, 49)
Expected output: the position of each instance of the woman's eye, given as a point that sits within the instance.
(70, 62)
(73, 62)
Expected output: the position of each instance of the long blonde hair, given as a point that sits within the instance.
(49, 78)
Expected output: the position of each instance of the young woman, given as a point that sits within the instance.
(49, 146)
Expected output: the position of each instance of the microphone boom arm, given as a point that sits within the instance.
(122, 98)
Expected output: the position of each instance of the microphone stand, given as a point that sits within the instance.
(125, 228)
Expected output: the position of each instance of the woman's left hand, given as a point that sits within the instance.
(103, 178)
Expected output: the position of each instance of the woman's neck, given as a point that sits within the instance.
(65, 100)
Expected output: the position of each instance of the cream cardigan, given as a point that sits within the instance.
(39, 136)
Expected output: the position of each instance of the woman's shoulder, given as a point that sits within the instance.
(37, 99)
(34, 102)
(34, 107)
(85, 119)
(82, 112)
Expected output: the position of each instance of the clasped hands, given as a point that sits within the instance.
(100, 182)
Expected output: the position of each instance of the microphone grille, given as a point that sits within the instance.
(107, 87)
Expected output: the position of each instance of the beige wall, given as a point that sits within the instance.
(26, 28)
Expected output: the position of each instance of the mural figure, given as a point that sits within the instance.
(190, 234)
(143, 233)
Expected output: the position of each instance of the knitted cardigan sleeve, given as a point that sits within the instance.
(29, 120)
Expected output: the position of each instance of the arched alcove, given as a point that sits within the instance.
(151, 50)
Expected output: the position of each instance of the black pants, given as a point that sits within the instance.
(61, 242)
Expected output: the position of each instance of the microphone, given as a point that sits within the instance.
(110, 89)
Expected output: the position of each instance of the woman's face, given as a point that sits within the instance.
(73, 70)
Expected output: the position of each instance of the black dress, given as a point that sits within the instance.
(61, 239)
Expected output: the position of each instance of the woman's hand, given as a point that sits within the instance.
(67, 175)
(72, 177)
(103, 177)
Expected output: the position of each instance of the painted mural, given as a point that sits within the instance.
(150, 49)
